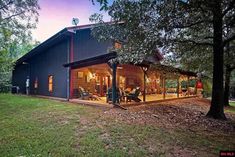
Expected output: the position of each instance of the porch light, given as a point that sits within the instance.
(145, 68)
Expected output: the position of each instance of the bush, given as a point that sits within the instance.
(207, 87)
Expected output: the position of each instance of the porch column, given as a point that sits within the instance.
(164, 87)
(178, 87)
(144, 93)
(114, 98)
(188, 86)
(71, 83)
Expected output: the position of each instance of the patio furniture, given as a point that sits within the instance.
(133, 95)
(84, 95)
(171, 90)
(109, 95)
(184, 91)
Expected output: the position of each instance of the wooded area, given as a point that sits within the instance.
(17, 19)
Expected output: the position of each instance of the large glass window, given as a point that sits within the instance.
(50, 83)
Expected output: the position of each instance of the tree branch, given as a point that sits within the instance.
(4, 6)
(9, 17)
(191, 24)
(194, 42)
(230, 7)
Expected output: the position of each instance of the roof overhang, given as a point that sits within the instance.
(92, 61)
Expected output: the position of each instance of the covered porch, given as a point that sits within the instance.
(94, 83)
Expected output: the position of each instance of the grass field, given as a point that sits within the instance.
(41, 127)
(232, 104)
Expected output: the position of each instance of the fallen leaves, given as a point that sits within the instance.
(184, 114)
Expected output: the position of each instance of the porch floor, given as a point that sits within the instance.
(149, 98)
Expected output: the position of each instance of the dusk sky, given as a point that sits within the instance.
(57, 14)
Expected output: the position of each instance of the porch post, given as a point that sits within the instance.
(144, 93)
(178, 87)
(188, 86)
(114, 98)
(71, 83)
(164, 87)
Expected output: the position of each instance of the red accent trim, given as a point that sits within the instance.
(71, 60)
(71, 49)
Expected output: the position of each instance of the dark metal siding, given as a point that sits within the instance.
(20, 74)
(49, 62)
(86, 46)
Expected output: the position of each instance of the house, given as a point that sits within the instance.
(74, 65)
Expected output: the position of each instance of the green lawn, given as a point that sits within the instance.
(40, 127)
(232, 104)
(230, 108)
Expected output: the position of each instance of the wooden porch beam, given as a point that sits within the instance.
(187, 85)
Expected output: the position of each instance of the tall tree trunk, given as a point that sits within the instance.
(217, 108)
(227, 85)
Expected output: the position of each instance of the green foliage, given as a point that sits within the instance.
(207, 87)
(178, 27)
(184, 84)
(171, 83)
(17, 18)
(136, 43)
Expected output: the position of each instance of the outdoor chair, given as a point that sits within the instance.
(109, 95)
(133, 95)
(184, 91)
(84, 95)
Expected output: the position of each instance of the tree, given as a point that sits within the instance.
(229, 67)
(147, 24)
(17, 18)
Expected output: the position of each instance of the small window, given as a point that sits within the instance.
(117, 45)
(50, 83)
(36, 83)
